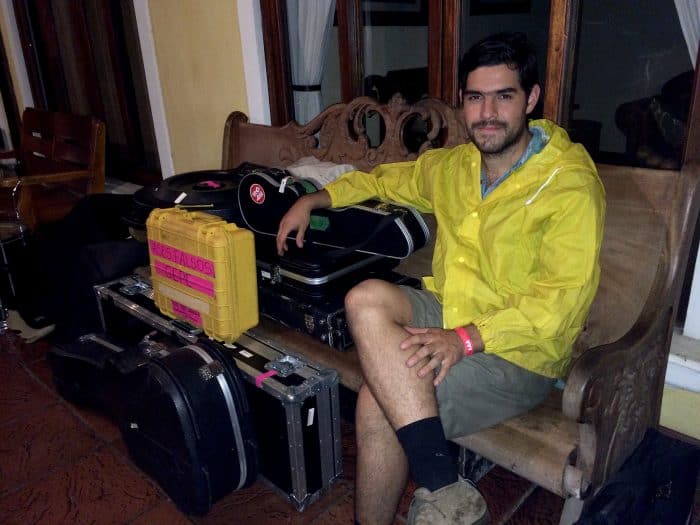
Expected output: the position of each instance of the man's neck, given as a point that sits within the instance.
(497, 164)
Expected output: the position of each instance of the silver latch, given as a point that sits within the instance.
(151, 348)
(284, 366)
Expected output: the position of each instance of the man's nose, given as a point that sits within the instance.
(488, 108)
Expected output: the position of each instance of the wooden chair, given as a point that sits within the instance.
(61, 158)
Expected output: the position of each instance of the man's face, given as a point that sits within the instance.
(496, 107)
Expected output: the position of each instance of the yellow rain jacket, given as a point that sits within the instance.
(521, 264)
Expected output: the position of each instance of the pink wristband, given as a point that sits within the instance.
(466, 340)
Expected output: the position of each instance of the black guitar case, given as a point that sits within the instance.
(183, 411)
(187, 423)
(373, 227)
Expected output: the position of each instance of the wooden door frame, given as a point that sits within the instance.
(350, 48)
(274, 28)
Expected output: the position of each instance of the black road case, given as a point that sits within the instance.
(294, 404)
(296, 414)
(320, 317)
(127, 311)
(315, 271)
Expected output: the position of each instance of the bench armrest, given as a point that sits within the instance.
(614, 393)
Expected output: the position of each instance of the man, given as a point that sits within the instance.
(520, 215)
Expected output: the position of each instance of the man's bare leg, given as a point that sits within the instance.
(393, 396)
(382, 469)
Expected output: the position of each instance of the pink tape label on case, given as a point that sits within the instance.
(260, 378)
(187, 313)
(191, 281)
(182, 258)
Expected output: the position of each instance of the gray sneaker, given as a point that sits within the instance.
(458, 503)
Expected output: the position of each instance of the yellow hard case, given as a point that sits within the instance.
(203, 271)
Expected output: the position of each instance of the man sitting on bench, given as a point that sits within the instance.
(520, 214)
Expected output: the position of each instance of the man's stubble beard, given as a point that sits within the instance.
(495, 149)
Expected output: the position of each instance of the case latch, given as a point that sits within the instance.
(285, 365)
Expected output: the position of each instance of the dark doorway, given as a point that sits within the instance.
(85, 58)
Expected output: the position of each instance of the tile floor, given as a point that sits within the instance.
(60, 464)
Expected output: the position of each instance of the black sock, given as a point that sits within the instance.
(431, 459)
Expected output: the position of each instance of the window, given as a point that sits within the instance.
(633, 85)
(481, 19)
(598, 83)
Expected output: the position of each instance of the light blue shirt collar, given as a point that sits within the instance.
(537, 143)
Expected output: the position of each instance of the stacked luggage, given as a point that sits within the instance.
(205, 406)
(203, 417)
(304, 289)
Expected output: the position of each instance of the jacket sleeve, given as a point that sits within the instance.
(403, 183)
(549, 314)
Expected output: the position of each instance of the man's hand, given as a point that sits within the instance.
(442, 348)
(298, 217)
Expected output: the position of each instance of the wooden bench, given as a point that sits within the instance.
(581, 435)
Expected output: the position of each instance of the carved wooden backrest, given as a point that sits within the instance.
(340, 134)
(638, 200)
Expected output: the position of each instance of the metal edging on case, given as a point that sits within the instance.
(335, 423)
(233, 417)
(317, 280)
(296, 454)
(325, 428)
(139, 312)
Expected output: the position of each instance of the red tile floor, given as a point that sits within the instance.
(60, 464)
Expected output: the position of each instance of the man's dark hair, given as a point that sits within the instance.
(509, 48)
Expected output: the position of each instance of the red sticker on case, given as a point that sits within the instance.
(257, 193)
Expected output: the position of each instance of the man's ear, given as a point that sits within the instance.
(461, 100)
(532, 98)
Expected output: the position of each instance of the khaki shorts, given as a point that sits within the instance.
(483, 389)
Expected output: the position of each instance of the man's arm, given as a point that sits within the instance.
(393, 182)
(298, 217)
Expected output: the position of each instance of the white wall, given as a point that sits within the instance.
(691, 328)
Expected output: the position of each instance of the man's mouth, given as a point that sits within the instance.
(489, 125)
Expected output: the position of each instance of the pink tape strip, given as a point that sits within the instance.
(183, 258)
(191, 281)
(187, 313)
(259, 379)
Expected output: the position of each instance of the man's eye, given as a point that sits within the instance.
(505, 96)
(473, 98)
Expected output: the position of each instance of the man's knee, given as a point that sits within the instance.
(362, 295)
(374, 296)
